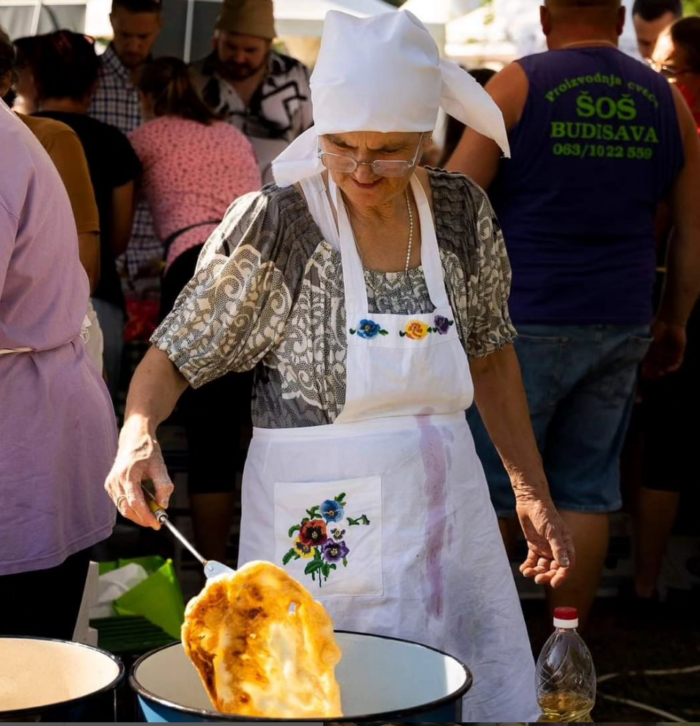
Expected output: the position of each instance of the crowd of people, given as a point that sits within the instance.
(144, 174)
(572, 289)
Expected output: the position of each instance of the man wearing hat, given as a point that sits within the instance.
(263, 93)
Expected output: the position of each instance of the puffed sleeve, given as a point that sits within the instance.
(490, 327)
(235, 308)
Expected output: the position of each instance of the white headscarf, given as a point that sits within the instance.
(384, 74)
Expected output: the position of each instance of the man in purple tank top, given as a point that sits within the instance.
(598, 141)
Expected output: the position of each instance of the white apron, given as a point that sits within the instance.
(385, 515)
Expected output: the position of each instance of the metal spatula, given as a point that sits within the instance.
(212, 568)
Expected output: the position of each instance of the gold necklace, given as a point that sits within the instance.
(410, 233)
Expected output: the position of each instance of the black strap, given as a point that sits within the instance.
(175, 235)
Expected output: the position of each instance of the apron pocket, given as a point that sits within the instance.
(328, 535)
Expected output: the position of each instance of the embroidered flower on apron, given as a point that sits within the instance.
(417, 329)
(316, 538)
(368, 329)
(442, 325)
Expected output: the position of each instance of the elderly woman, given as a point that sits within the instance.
(360, 288)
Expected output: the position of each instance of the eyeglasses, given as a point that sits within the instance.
(668, 71)
(381, 167)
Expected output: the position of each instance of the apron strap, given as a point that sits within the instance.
(356, 302)
(430, 250)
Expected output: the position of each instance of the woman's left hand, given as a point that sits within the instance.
(551, 555)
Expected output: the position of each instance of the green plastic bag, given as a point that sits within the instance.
(158, 598)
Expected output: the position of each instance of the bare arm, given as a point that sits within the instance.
(500, 398)
(155, 389)
(682, 285)
(475, 155)
(122, 217)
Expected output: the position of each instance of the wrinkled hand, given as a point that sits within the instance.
(551, 555)
(139, 458)
(666, 352)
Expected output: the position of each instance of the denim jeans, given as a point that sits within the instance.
(580, 383)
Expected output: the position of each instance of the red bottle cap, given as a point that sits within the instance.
(566, 618)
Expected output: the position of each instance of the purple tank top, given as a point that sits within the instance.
(596, 150)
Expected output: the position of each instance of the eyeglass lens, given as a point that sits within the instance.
(347, 165)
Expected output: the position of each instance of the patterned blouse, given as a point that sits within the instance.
(268, 294)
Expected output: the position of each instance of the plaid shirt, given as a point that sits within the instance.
(116, 102)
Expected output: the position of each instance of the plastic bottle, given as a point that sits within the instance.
(566, 681)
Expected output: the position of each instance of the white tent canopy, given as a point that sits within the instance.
(472, 32)
(188, 23)
(299, 18)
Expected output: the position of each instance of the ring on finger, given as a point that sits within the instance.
(120, 499)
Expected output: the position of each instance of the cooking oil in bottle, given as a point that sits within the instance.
(566, 681)
(566, 707)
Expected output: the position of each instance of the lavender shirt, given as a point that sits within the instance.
(57, 427)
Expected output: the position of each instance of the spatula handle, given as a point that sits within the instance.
(162, 516)
(158, 512)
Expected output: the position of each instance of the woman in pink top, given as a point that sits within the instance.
(194, 167)
(58, 434)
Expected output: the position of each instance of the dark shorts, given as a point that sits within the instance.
(214, 414)
(580, 383)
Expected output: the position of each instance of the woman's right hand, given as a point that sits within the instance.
(139, 459)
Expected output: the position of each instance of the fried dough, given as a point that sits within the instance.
(263, 646)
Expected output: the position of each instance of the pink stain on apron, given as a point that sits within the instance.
(435, 464)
